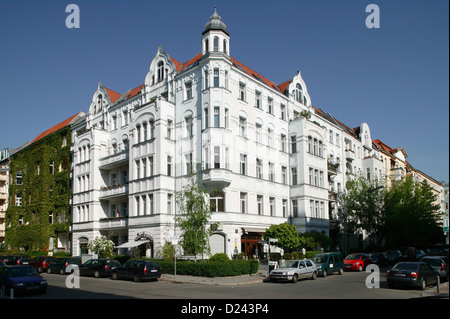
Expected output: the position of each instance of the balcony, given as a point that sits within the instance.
(113, 191)
(349, 154)
(114, 223)
(217, 177)
(114, 160)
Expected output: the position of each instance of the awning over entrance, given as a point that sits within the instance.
(260, 230)
(133, 243)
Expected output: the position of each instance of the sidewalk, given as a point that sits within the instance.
(218, 281)
(432, 292)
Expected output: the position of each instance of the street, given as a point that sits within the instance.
(351, 285)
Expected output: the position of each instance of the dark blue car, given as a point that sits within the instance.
(22, 279)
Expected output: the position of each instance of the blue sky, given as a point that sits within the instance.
(394, 78)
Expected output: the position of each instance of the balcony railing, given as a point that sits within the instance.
(113, 160)
(119, 222)
(113, 191)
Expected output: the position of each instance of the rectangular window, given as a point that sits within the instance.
(206, 116)
(258, 133)
(138, 169)
(137, 200)
(271, 172)
(144, 205)
(169, 129)
(151, 168)
(242, 92)
(294, 175)
(283, 112)
(259, 200)
(284, 174)
(188, 90)
(150, 200)
(227, 158)
(258, 100)
(272, 206)
(216, 78)
(169, 204)
(259, 169)
(216, 156)
(283, 142)
(227, 120)
(243, 197)
(284, 207)
(270, 106)
(242, 127)
(243, 166)
(294, 144)
(294, 208)
(216, 116)
(169, 165)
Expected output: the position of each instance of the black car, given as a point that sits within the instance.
(412, 274)
(379, 258)
(98, 267)
(15, 260)
(22, 279)
(393, 256)
(59, 265)
(138, 270)
(439, 263)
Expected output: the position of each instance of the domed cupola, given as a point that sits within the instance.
(215, 37)
(215, 23)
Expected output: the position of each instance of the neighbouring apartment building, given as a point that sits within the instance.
(263, 152)
(38, 179)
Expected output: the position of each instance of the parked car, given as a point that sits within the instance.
(59, 265)
(439, 263)
(98, 267)
(15, 260)
(393, 256)
(22, 279)
(329, 263)
(357, 261)
(408, 253)
(293, 270)
(137, 270)
(379, 258)
(41, 263)
(2, 264)
(419, 254)
(412, 274)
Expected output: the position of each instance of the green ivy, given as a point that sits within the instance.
(42, 193)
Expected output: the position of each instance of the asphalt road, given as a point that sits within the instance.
(351, 285)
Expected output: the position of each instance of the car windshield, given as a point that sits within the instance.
(432, 261)
(21, 271)
(289, 264)
(353, 257)
(406, 266)
(320, 259)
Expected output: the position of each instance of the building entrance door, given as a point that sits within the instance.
(250, 243)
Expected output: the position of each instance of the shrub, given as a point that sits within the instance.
(211, 269)
(219, 257)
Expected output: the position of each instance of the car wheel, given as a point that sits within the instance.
(40, 269)
(324, 273)
(49, 271)
(96, 274)
(314, 276)
(341, 271)
(62, 272)
(115, 276)
(423, 284)
(295, 278)
(360, 268)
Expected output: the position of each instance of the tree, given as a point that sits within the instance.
(363, 207)
(102, 246)
(195, 213)
(412, 215)
(286, 234)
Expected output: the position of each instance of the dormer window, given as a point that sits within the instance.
(99, 103)
(299, 93)
(225, 46)
(160, 71)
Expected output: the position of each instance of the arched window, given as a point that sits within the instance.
(299, 93)
(225, 50)
(160, 71)
(206, 45)
(216, 44)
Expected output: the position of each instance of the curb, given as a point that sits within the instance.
(214, 281)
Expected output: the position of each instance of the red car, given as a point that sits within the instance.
(41, 263)
(357, 261)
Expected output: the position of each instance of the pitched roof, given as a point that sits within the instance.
(330, 118)
(55, 128)
(113, 95)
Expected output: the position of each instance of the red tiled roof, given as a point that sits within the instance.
(55, 128)
(256, 75)
(191, 61)
(134, 92)
(113, 95)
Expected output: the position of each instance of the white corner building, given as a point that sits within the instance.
(264, 153)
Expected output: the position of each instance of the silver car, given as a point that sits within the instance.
(293, 270)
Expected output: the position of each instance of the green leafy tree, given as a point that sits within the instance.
(102, 246)
(363, 207)
(286, 234)
(193, 217)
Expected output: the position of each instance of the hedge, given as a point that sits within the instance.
(210, 269)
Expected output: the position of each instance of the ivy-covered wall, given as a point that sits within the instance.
(45, 191)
